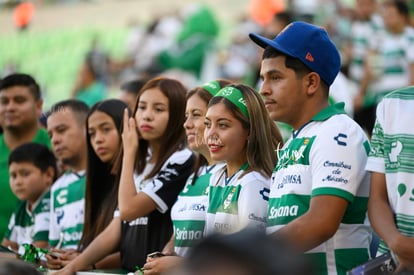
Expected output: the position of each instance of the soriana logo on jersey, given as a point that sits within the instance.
(286, 208)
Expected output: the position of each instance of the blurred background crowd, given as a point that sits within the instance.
(73, 46)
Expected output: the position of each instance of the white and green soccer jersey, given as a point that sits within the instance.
(67, 210)
(361, 33)
(237, 202)
(189, 211)
(395, 56)
(327, 156)
(392, 153)
(30, 226)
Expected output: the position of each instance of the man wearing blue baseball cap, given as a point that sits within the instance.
(318, 198)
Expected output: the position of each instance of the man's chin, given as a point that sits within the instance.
(67, 162)
(63, 160)
(14, 128)
(11, 126)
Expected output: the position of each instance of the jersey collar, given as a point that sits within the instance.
(329, 111)
(323, 115)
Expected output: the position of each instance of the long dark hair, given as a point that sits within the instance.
(174, 136)
(101, 198)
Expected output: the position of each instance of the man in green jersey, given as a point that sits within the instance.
(20, 108)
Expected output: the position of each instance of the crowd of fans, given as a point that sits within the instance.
(186, 150)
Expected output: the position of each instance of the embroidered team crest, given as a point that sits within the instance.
(227, 201)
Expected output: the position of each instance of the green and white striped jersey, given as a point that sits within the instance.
(67, 210)
(361, 33)
(327, 156)
(189, 211)
(237, 202)
(392, 153)
(395, 55)
(27, 226)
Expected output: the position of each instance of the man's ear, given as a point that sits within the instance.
(39, 107)
(312, 83)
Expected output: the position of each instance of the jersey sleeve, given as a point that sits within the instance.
(376, 162)
(253, 203)
(54, 231)
(170, 180)
(42, 221)
(10, 233)
(410, 46)
(338, 160)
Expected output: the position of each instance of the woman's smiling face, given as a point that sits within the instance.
(224, 134)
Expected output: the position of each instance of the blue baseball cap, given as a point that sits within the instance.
(308, 43)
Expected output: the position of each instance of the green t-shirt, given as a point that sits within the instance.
(7, 198)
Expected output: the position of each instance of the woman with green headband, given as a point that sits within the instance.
(240, 133)
(189, 211)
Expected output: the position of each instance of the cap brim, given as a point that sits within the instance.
(260, 40)
(264, 42)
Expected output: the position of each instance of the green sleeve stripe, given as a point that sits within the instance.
(334, 192)
(357, 207)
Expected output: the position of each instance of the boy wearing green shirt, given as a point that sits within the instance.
(20, 107)
(32, 170)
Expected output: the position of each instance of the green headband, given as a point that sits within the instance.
(212, 87)
(236, 97)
